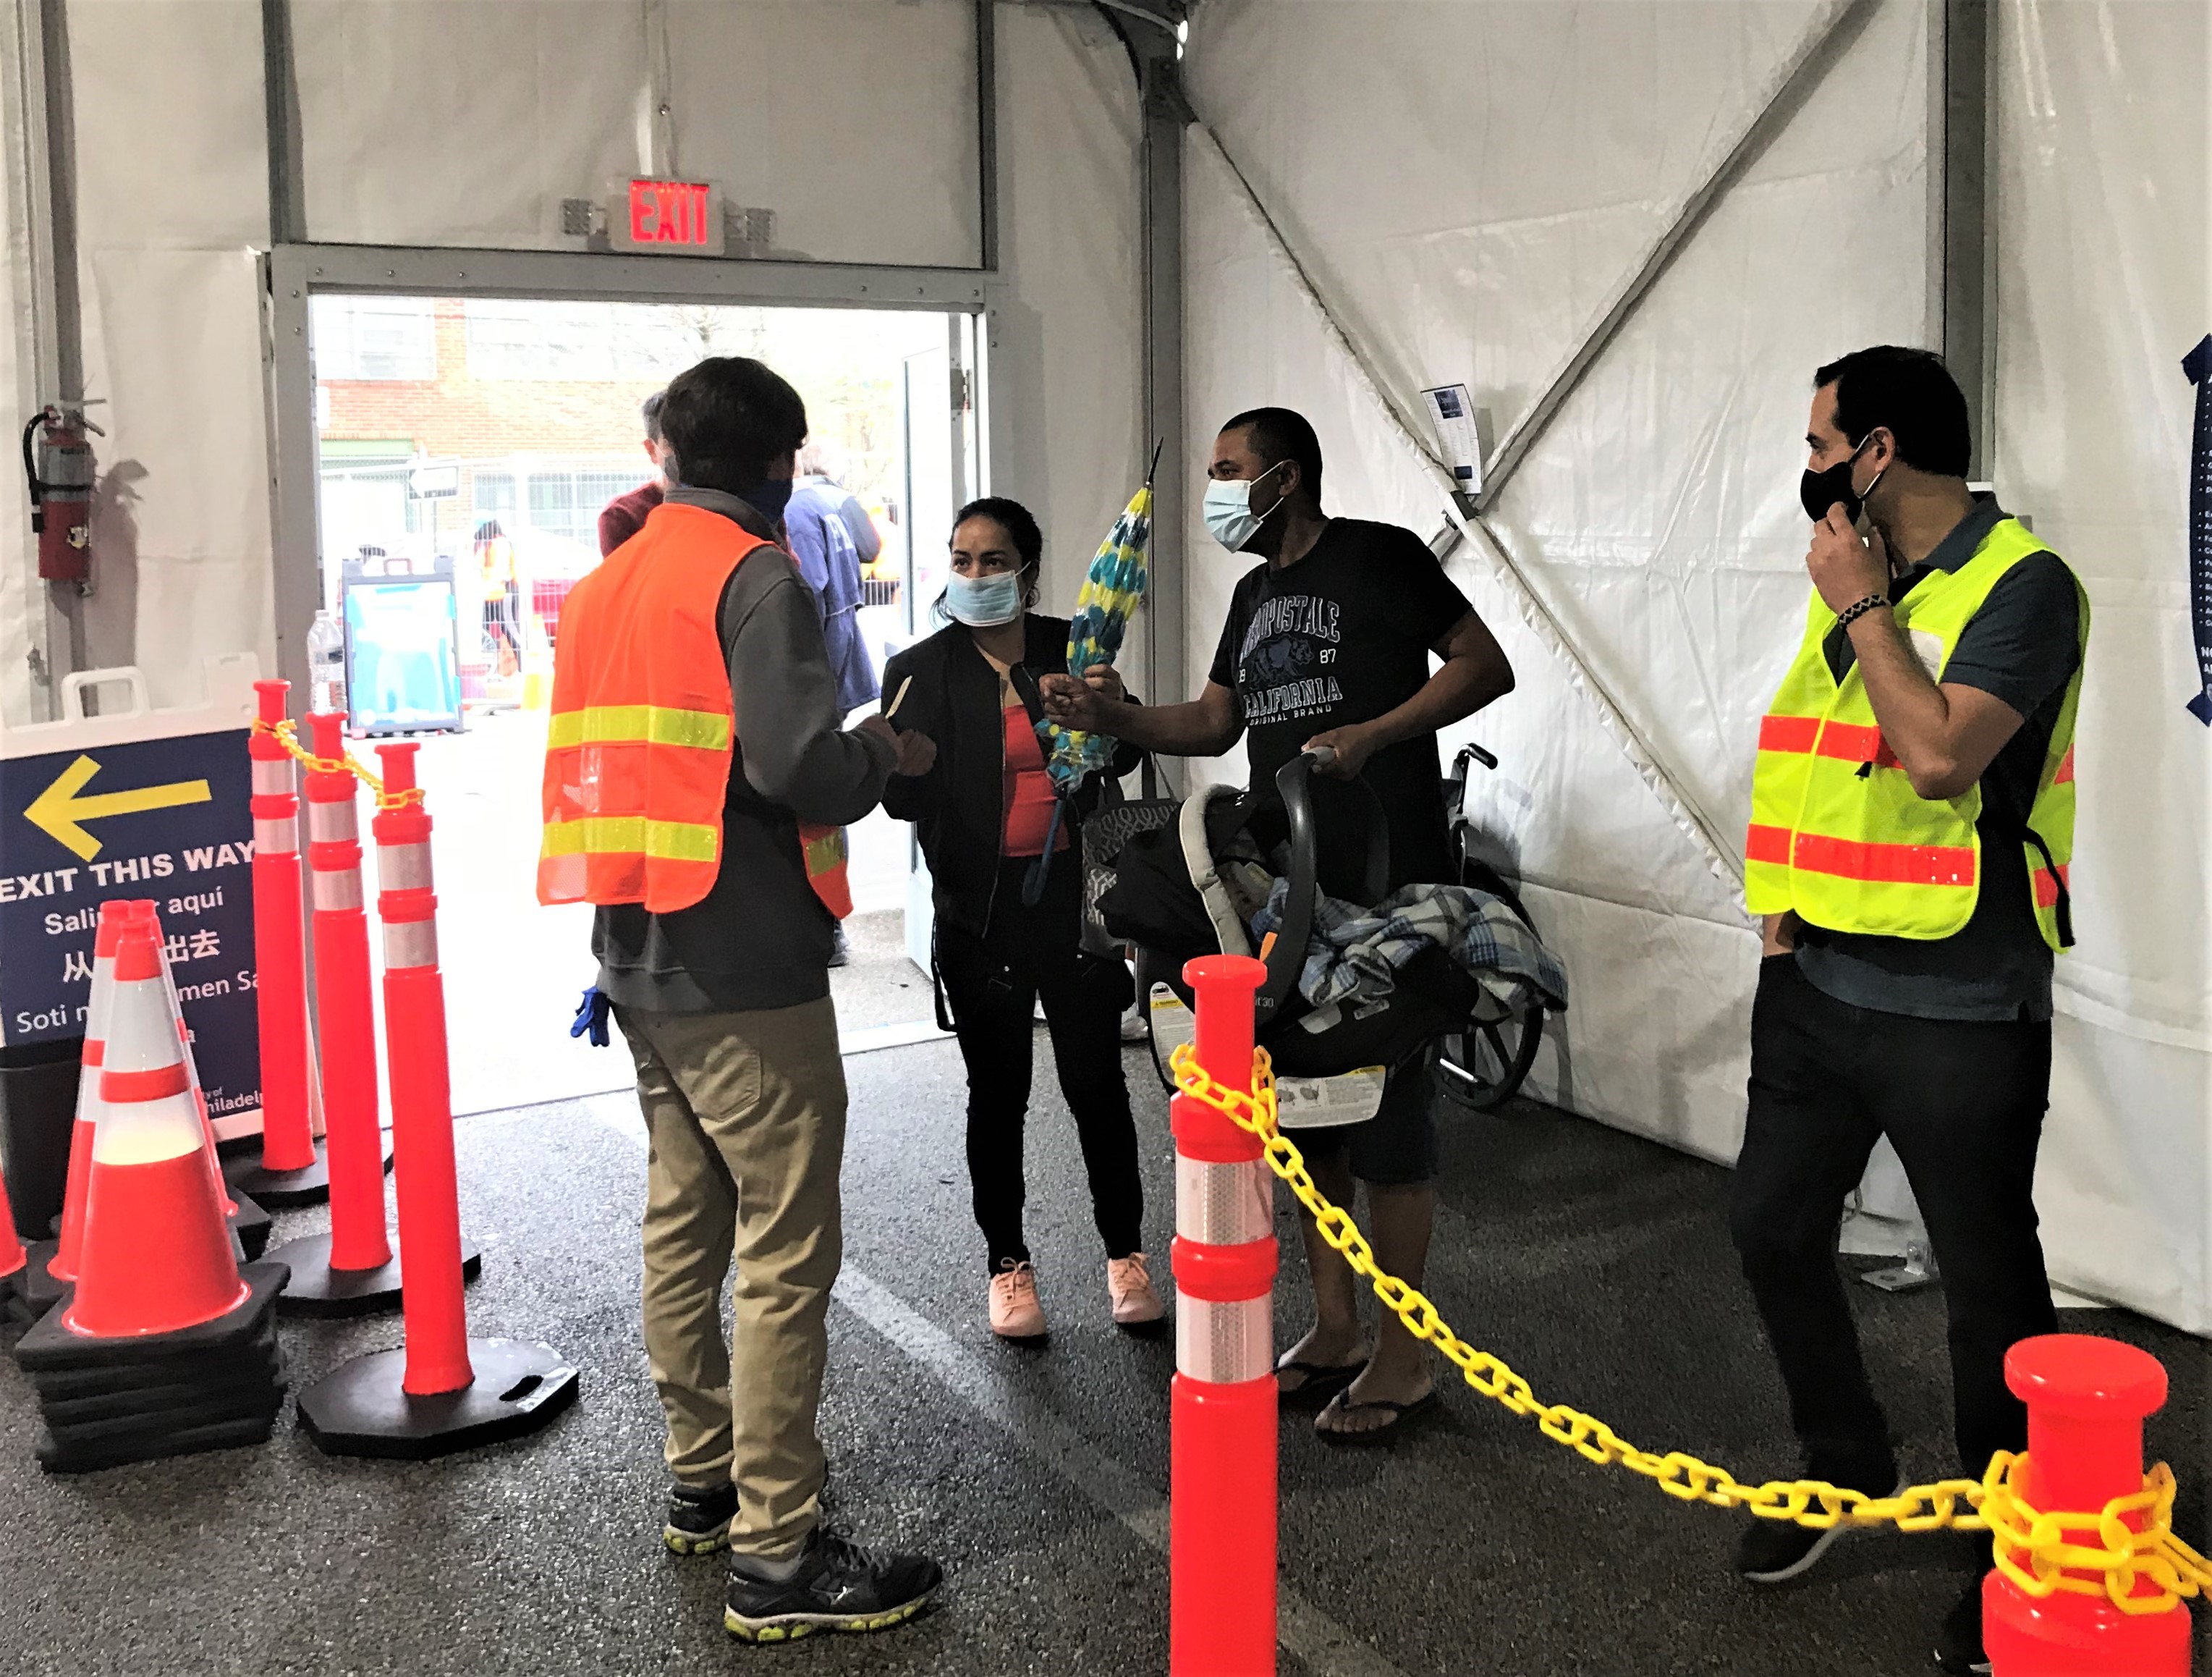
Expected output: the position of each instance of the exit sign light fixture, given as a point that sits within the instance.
(671, 217)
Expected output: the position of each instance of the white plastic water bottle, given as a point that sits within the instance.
(326, 672)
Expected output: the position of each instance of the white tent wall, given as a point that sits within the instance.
(1468, 187)
(1066, 349)
(467, 122)
(173, 187)
(2103, 281)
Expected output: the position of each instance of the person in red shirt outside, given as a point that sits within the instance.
(624, 516)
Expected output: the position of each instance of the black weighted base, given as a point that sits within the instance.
(56, 1457)
(316, 1290)
(250, 1223)
(50, 1346)
(360, 1409)
(308, 1186)
(255, 1362)
(39, 1288)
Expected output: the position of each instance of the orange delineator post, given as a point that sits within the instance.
(12, 1256)
(288, 1141)
(2087, 1398)
(1221, 1543)
(344, 1010)
(428, 1184)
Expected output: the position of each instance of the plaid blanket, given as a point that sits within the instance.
(1355, 953)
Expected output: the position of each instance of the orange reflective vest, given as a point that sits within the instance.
(1838, 833)
(643, 729)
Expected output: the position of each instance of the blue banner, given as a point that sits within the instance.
(170, 820)
(2197, 364)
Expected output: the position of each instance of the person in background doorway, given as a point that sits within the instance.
(824, 528)
(624, 516)
(1328, 644)
(495, 551)
(983, 812)
(713, 944)
(1913, 825)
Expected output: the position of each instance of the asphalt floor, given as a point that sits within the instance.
(1597, 1264)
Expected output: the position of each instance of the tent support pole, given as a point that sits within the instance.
(1165, 115)
(1961, 143)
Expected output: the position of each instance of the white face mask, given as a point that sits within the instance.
(984, 601)
(1227, 509)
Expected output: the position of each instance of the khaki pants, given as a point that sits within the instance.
(745, 1114)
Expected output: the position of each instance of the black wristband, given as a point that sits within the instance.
(1852, 612)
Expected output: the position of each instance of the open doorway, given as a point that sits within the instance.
(465, 448)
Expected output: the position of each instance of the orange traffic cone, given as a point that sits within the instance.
(59, 1267)
(155, 1255)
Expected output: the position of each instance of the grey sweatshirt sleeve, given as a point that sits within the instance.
(795, 751)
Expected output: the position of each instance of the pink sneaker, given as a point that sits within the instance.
(1015, 1312)
(1129, 1285)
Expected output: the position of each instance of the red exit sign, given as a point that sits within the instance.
(676, 217)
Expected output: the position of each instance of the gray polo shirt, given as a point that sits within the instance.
(2022, 647)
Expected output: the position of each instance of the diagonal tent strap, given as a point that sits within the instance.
(1720, 856)
(2197, 364)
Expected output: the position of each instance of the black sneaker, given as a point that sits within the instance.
(839, 1586)
(841, 953)
(1773, 1551)
(1959, 1643)
(699, 1520)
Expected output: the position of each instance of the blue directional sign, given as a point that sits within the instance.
(169, 821)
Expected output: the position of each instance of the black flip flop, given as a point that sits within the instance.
(1322, 1381)
(1400, 1413)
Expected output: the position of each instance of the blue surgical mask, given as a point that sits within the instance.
(986, 601)
(769, 498)
(1227, 509)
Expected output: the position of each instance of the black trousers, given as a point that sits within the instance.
(1963, 1104)
(994, 983)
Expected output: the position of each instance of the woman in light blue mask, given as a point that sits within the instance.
(983, 814)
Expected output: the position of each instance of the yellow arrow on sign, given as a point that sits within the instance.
(57, 812)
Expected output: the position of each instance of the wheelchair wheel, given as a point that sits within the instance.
(1481, 1067)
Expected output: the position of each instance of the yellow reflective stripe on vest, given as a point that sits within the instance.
(630, 835)
(639, 724)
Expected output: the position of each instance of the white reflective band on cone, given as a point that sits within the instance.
(331, 823)
(1224, 1344)
(271, 776)
(403, 867)
(1219, 1204)
(335, 890)
(411, 944)
(277, 838)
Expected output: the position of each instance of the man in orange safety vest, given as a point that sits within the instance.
(695, 756)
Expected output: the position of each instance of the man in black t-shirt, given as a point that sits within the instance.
(1329, 643)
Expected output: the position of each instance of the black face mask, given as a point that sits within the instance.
(1819, 490)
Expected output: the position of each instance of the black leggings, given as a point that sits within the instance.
(993, 983)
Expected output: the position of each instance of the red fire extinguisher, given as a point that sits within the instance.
(58, 464)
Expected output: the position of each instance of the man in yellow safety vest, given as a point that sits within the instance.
(1912, 832)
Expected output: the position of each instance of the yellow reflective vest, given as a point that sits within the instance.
(1837, 831)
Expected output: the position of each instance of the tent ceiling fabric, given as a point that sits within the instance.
(1658, 515)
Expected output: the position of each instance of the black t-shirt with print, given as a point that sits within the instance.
(1343, 637)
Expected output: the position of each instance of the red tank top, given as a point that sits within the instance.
(1028, 798)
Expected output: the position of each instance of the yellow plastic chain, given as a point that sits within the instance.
(2033, 1549)
(287, 735)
